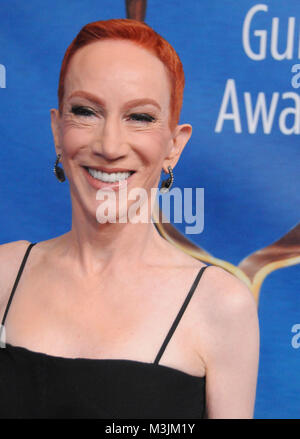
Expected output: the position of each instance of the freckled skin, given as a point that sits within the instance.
(113, 133)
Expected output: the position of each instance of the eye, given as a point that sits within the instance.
(142, 117)
(81, 111)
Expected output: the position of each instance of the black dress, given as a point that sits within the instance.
(37, 385)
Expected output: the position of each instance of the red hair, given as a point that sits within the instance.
(141, 34)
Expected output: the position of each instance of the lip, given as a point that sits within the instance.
(108, 170)
(97, 184)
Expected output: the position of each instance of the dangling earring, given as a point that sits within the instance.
(59, 172)
(167, 184)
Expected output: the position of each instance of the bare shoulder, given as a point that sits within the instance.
(228, 309)
(220, 296)
(10, 250)
(11, 255)
(229, 344)
(227, 295)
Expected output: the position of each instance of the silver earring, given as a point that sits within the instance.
(167, 184)
(59, 172)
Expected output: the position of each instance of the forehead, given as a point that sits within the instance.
(118, 68)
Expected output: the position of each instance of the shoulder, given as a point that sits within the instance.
(228, 296)
(230, 310)
(230, 345)
(11, 255)
(227, 287)
(10, 251)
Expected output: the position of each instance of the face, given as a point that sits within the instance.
(114, 127)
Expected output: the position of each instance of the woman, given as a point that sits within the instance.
(110, 320)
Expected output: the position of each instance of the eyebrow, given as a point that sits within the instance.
(127, 105)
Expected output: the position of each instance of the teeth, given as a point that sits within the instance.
(108, 178)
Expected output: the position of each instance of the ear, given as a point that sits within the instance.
(181, 136)
(55, 126)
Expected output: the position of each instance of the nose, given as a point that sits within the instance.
(109, 142)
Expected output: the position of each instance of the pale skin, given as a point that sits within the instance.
(113, 290)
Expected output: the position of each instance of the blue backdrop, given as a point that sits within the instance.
(242, 99)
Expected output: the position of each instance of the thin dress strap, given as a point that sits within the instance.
(179, 315)
(17, 281)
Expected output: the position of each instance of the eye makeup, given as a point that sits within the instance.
(142, 117)
(80, 110)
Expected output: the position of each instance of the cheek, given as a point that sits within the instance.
(152, 145)
(75, 138)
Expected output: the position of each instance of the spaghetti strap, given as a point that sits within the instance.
(17, 281)
(179, 315)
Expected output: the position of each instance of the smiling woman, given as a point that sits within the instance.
(109, 319)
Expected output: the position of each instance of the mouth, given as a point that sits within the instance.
(108, 177)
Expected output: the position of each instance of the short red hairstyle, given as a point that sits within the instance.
(141, 34)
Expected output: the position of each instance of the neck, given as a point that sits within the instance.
(97, 247)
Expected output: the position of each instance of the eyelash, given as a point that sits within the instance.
(142, 117)
(86, 112)
(82, 111)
